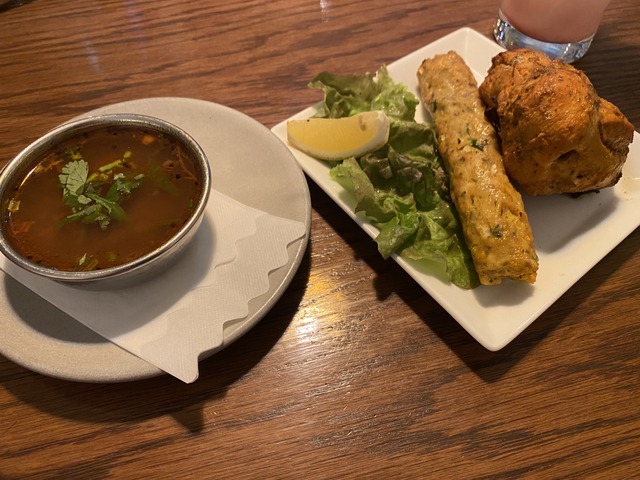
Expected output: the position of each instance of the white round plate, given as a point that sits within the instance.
(248, 163)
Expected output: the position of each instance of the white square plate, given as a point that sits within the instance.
(571, 234)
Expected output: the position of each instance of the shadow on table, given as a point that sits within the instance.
(162, 395)
(490, 366)
(7, 5)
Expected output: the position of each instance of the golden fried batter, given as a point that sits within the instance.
(558, 135)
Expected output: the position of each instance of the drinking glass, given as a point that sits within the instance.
(562, 29)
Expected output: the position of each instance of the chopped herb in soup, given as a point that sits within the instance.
(102, 199)
(96, 198)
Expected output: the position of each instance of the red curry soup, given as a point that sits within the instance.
(101, 199)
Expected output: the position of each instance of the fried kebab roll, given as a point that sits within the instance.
(492, 215)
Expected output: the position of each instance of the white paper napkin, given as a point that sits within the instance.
(172, 319)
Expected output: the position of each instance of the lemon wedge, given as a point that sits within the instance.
(339, 138)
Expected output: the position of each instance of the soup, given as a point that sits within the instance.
(101, 199)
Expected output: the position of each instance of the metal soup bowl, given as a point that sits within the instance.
(149, 263)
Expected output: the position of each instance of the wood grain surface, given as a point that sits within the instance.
(356, 372)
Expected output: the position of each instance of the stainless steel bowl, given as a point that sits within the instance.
(149, 263)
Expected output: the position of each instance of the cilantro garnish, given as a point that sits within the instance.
(83, 193)
(477, 144)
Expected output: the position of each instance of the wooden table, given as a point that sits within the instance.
(356, 372)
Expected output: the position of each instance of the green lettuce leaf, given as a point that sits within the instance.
(402, 188)
(346, 95)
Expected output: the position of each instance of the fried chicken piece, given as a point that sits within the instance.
(558, 135)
